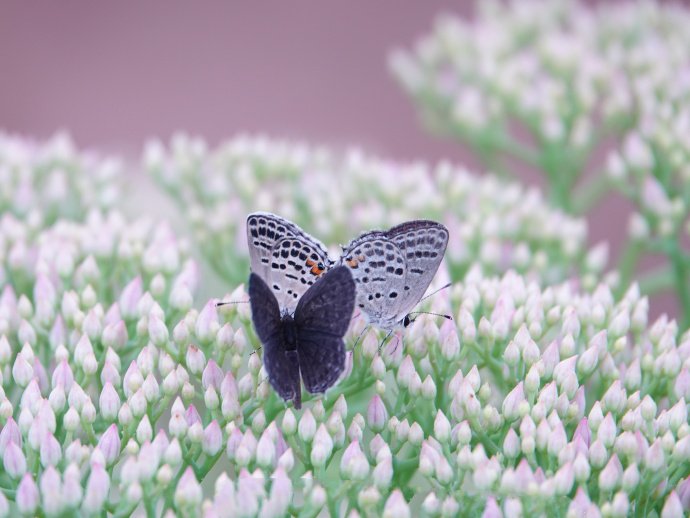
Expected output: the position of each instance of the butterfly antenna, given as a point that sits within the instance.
(360, 337)
(436, 291)
(447, 317)
(218, 304)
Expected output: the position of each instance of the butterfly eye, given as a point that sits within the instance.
(407, 321)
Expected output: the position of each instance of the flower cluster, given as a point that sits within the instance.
(554, 85)
(42, 181)
(496, 224)
(118, 395)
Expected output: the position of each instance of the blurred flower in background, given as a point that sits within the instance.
(554, 85)
(495, 224)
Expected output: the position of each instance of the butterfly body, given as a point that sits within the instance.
(308, 344)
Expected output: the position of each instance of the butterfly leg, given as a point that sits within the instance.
(385, 340)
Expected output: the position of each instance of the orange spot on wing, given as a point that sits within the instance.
(352, 263)
(315, 270)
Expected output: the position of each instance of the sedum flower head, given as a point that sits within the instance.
(498, 225)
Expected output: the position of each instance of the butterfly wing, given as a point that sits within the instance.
(378, 268)
(322, 317)
(288, 259)
(295, 265)
(393, 269)
(423, 244)
(282, 366)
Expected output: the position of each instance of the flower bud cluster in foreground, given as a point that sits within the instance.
(336, 196)
(576, 79)
(42, 181)
(118, 395)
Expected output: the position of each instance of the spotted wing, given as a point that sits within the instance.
(393, 269)
(282, 366)
(423, 244)
(378, 268)
(264, 231)
(322, 318)
(288, 259)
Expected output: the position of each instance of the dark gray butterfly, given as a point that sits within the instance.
(310, 342)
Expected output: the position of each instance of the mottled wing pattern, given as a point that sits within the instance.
(282, 366)
(393, 269)
(423, 244)
(295, 265)
(288, 259)
(378, 268)
(322, 318)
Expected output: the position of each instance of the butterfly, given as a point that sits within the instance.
(393, 269)
(288, 259)
(310, 342)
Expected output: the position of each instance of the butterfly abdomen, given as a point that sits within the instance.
(289, 333)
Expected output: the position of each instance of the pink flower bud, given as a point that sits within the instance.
(109, 402)
(188, 492)
(610, 476)
(129, 299)
(377, 415)
(673, 508)
(133, 379)
(582, 431)
(307, 426)
(109, 444)
(71, 486)
(158, 331)
(354, 464)
(97, 489)
(195, 360)
(213, 376)
(492, 510)
(22, 371)
(234, 440)
(512, 402)
(115, 335)
(655, 458)
(213, 439)
(173, 453)
(396, 506)
(207, 323)
(51, 491)
(177, 425)
(51, 454)
(14, 460)
(322, 446)
(27, 496)
(607, 431)
(10, 434)
(441, 427)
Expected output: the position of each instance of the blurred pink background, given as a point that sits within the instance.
(114, 74)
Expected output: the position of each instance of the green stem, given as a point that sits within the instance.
(656, 281)
(628, 262)
(682, 287)
(590, 193)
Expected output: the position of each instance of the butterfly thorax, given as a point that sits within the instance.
(289, 328)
